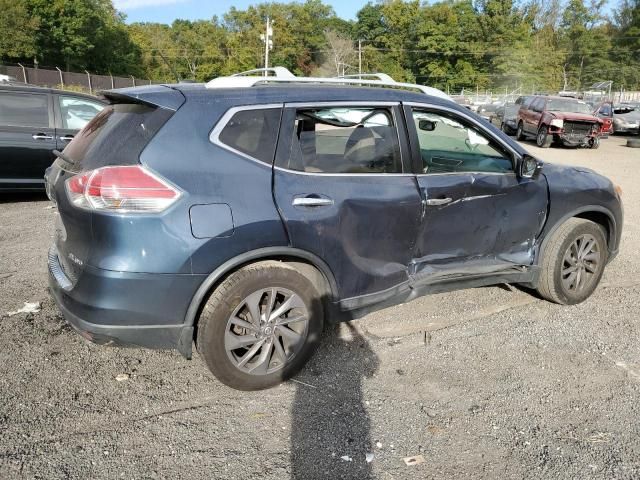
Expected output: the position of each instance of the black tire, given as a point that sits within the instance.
(520, 132)
(551, 284)
(506, 128)
(594, 143)
(633, 143)
(543, 139)
(222, 305)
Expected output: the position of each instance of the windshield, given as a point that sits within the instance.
(571, 106)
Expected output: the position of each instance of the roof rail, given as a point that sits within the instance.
(280, 72)
(282, 75)
(375, 76)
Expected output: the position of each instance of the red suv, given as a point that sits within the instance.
(564, 120)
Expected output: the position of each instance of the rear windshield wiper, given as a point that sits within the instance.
(63, 156)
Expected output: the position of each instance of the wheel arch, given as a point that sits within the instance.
(285, 254)
(595, 213)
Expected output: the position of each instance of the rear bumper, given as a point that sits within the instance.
(126, 309)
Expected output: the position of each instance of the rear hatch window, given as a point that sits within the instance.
(116, 136)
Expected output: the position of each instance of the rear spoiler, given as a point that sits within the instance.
(162, 96)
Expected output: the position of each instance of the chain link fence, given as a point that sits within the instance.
(72, 80)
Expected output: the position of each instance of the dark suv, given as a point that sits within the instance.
(244, 218)
(34, 121)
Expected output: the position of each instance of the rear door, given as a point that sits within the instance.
(534, 112)
(344, 188)
(72, 113)
(27, 137)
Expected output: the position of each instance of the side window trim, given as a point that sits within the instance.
(399, 124)
(51, 111)
(413, 137)
(214, 135)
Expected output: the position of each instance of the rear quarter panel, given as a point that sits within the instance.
(207, 174)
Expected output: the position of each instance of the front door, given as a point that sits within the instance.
(479, 217)
(27, 138)
(344, 187)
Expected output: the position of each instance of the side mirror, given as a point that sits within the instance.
(530, 167)
(427, 125)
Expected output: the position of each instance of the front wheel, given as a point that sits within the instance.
(573, 262)
(543, 139)
(594, 142)
(260, 326)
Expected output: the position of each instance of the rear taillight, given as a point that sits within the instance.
(125, 189)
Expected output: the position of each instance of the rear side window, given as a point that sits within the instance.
(527, 101)
(253, 132)
(345, 140)
(115, 136)
(24, 110)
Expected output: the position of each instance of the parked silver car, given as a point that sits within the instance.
(626, 119)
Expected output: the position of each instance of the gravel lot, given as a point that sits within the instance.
(483, 383)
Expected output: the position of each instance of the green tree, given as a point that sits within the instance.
(82, 34)
(18, 30)
(627, 44)
(587, 41)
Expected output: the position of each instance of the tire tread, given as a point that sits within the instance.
(547, 287)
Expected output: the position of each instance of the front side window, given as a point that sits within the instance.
(449, 145)
(253, 132)
(345, 140)
(538, 105)
(24, 110)
(77, 112)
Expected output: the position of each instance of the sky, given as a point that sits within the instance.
(166, 11)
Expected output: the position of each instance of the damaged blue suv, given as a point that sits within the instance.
(243, 219)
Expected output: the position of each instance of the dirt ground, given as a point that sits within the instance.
(483, 383)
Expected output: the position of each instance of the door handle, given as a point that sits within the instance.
(41, 136)
(312, 201)
(439, 201)
(66, 138)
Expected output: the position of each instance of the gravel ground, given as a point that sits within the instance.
(482, 383)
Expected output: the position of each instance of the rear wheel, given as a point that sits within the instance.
(520, 132)
(543, 139)
(573, 262)
(260, 326)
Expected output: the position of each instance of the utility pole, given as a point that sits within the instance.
(267, 38)
(360, 59)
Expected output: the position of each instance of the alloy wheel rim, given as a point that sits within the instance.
(541, 138)
(266, 330)
(580, 264)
